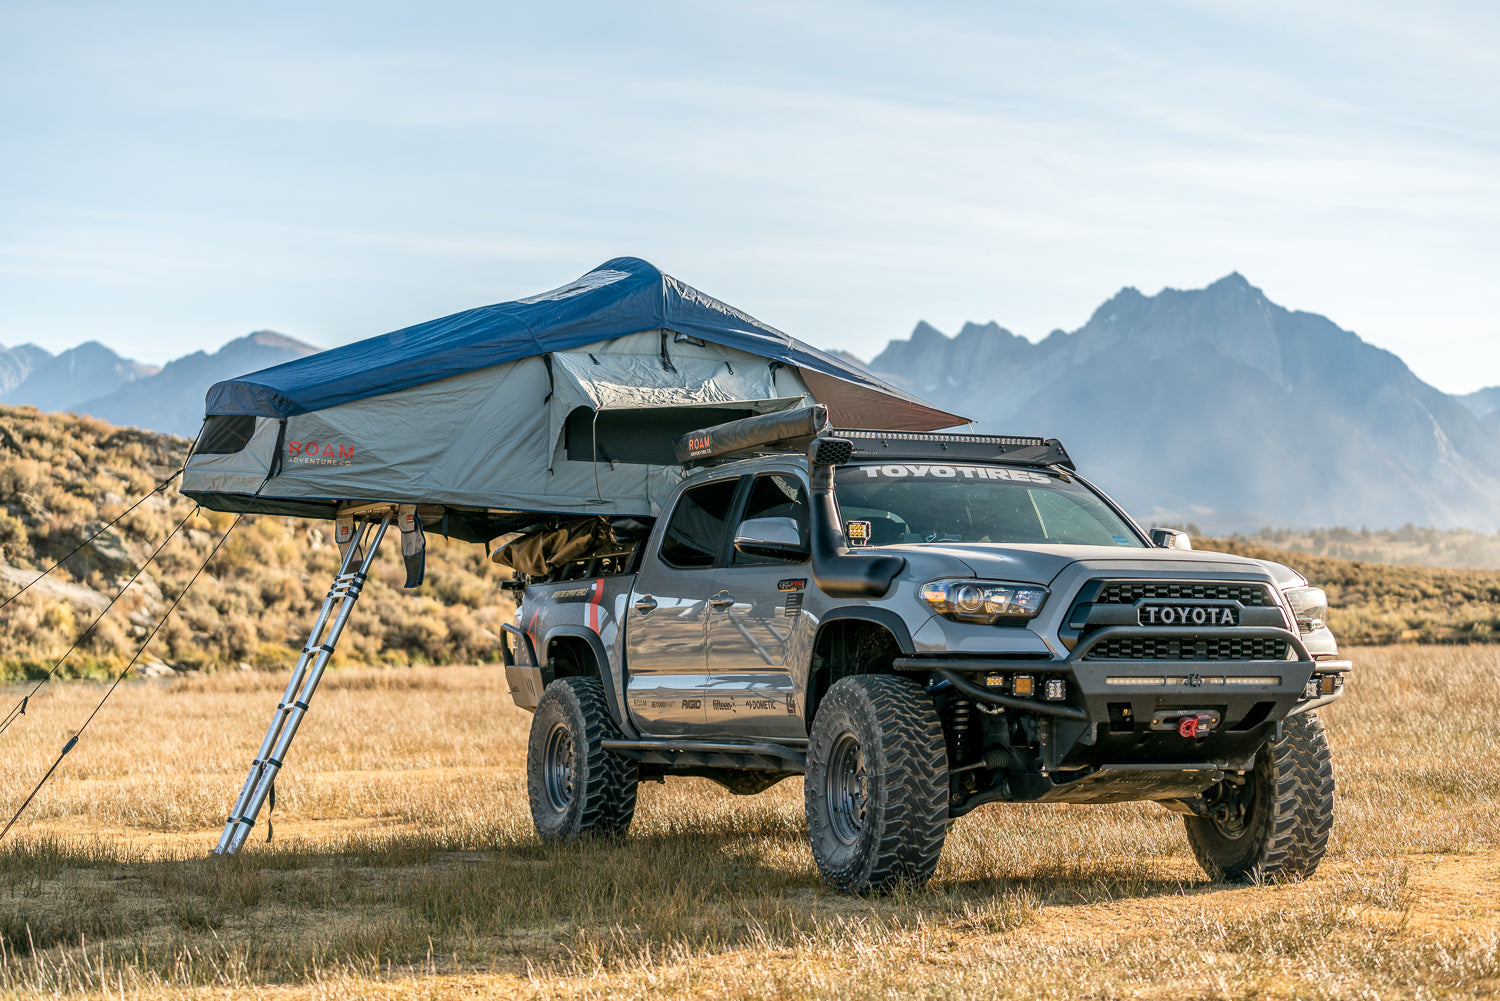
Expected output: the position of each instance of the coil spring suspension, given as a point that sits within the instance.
(961, 721)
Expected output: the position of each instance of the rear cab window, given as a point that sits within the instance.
(695, 534)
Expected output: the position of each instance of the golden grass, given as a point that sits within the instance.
(404, 866)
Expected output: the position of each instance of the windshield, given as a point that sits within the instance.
(883, 505)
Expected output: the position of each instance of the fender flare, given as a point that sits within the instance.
(610, 678)
(892, 622)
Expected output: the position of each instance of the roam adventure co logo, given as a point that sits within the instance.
(320, 453)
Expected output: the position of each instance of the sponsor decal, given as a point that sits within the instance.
(761, 704)
(320, 453)
(1188, 615)
(918, 471)
(692, 703)
(793, 604)
(573, 592)
(723, 705)
(791, 584)
(700, 444)
(858, 532)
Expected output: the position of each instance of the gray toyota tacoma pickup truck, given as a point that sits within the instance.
(920, 624)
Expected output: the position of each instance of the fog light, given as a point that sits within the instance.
(1021, 684)
(1330, 683)
(1056, 690)
(994, 681)
(1311, 689)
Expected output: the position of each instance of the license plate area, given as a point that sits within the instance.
(1191, 615)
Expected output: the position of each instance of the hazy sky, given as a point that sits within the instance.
(173, 175)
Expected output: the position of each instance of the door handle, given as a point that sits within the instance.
(645, 603)
(721, 600)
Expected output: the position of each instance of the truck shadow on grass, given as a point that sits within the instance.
(274, 913)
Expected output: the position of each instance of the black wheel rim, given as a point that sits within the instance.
(847, 788)
(557, 768)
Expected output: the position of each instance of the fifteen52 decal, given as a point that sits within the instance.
(321, 453)
(920, 471)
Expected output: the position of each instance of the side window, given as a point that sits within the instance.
(696, 531)
(775, 495)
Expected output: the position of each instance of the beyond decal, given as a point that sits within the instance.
(320, 453)
(919, 471)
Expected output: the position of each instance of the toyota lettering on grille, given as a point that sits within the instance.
(1188, 615)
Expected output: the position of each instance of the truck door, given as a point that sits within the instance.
(666, 625)
(755, 617)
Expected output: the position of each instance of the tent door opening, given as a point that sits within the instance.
(359, 553)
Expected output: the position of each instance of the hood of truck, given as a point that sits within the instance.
(1040, 564)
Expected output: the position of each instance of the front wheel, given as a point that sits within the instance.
(1274, 824)
(576, 787)
(877, 784)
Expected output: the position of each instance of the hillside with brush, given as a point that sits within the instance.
(63, 478)
(1380, 603)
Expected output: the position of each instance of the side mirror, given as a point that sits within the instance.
(777, 538)
(1170, 538)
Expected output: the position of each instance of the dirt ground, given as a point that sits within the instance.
(403, 865)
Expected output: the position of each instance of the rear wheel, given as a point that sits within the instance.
(877, 784)
(1274, 825)
(576, 787)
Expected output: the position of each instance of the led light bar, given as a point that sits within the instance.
(957, 447)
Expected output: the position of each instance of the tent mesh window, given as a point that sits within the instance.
(225, 435)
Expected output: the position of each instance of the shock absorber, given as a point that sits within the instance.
(961, 718)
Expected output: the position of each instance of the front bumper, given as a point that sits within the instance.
(1121, 713)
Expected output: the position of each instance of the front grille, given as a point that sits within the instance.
(1188, 648)
(1128, 592)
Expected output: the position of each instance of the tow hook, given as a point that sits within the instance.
(1188, 723)
(1197, 724)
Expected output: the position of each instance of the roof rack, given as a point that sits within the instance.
(795, 431)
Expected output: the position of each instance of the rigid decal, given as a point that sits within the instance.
(921, 471)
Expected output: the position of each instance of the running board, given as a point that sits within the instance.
(261, 782)
(705, 754)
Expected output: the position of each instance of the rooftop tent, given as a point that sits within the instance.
(561, 403)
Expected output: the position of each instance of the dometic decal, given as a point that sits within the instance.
(324, 453)
(918, 471)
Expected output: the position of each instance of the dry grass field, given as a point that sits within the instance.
(404, 865)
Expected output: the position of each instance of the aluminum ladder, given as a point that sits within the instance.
(304, 681)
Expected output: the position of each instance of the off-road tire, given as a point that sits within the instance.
(576, 787)
(877, 748)
(1288, 812)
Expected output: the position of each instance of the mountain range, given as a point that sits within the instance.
(92, 379)
(1218, 406)
(1214, 406)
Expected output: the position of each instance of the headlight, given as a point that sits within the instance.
(1309, 607)
(983, 600)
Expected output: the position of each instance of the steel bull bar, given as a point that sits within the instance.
(1096, 681)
